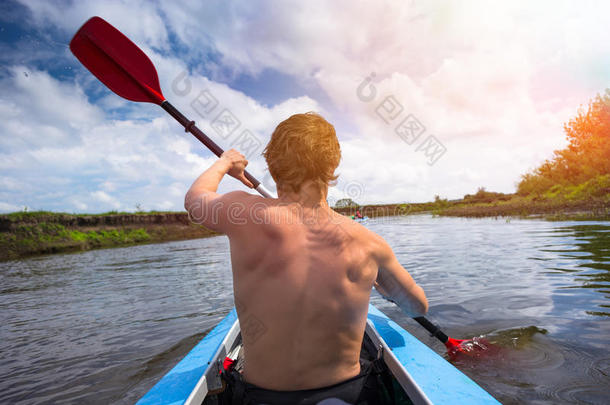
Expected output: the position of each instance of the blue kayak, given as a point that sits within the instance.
(418, 374)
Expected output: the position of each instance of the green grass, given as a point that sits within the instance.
(595, 188)
(103, 237)
(39, 232)
(48, 237)
(586, 201)
(108, 237)
(27, 216)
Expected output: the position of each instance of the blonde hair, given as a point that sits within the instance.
(303, 147)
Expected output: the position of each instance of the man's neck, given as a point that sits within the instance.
(310, 195)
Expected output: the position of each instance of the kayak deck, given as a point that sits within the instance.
(437, 380)
(419, 375)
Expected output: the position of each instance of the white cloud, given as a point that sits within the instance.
(494, 82)
(470, 72)
(36, 109)
(105, 198)
(138, 19)
(7, 207)
(95, 163)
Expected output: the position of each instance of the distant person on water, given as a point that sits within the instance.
(302, 273)
(358, 214)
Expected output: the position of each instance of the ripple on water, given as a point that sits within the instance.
(582, 393)
(103, 326)
(529, 366)
(536, 356)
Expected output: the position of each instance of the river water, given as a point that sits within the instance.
(103, 326)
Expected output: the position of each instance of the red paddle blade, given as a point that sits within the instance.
(116, 61)
(472, 347)
(455, 345)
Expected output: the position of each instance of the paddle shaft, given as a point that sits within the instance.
(189, 126)
(432, 328)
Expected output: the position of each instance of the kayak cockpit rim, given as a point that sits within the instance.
(211, 378)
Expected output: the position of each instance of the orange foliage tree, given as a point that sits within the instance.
(587, 155)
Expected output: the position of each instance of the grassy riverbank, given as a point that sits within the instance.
(515, 206)
(587, 201)
(31, 233)
(25, 234)
(574, 183)
(593, 209)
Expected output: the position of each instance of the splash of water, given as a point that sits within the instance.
(478, 346)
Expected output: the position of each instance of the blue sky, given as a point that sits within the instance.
(464, 96)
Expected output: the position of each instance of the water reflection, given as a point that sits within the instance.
(537, 291)
(591, 253)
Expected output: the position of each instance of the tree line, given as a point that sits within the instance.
(587, 156)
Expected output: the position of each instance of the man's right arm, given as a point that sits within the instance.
(395, 283)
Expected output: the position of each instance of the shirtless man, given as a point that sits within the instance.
(302, 273)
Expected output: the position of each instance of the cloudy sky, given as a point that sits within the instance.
(427, 97)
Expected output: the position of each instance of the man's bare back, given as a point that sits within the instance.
(302, 274)
(302, 277)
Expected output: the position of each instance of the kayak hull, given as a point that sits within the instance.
(425, 377)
